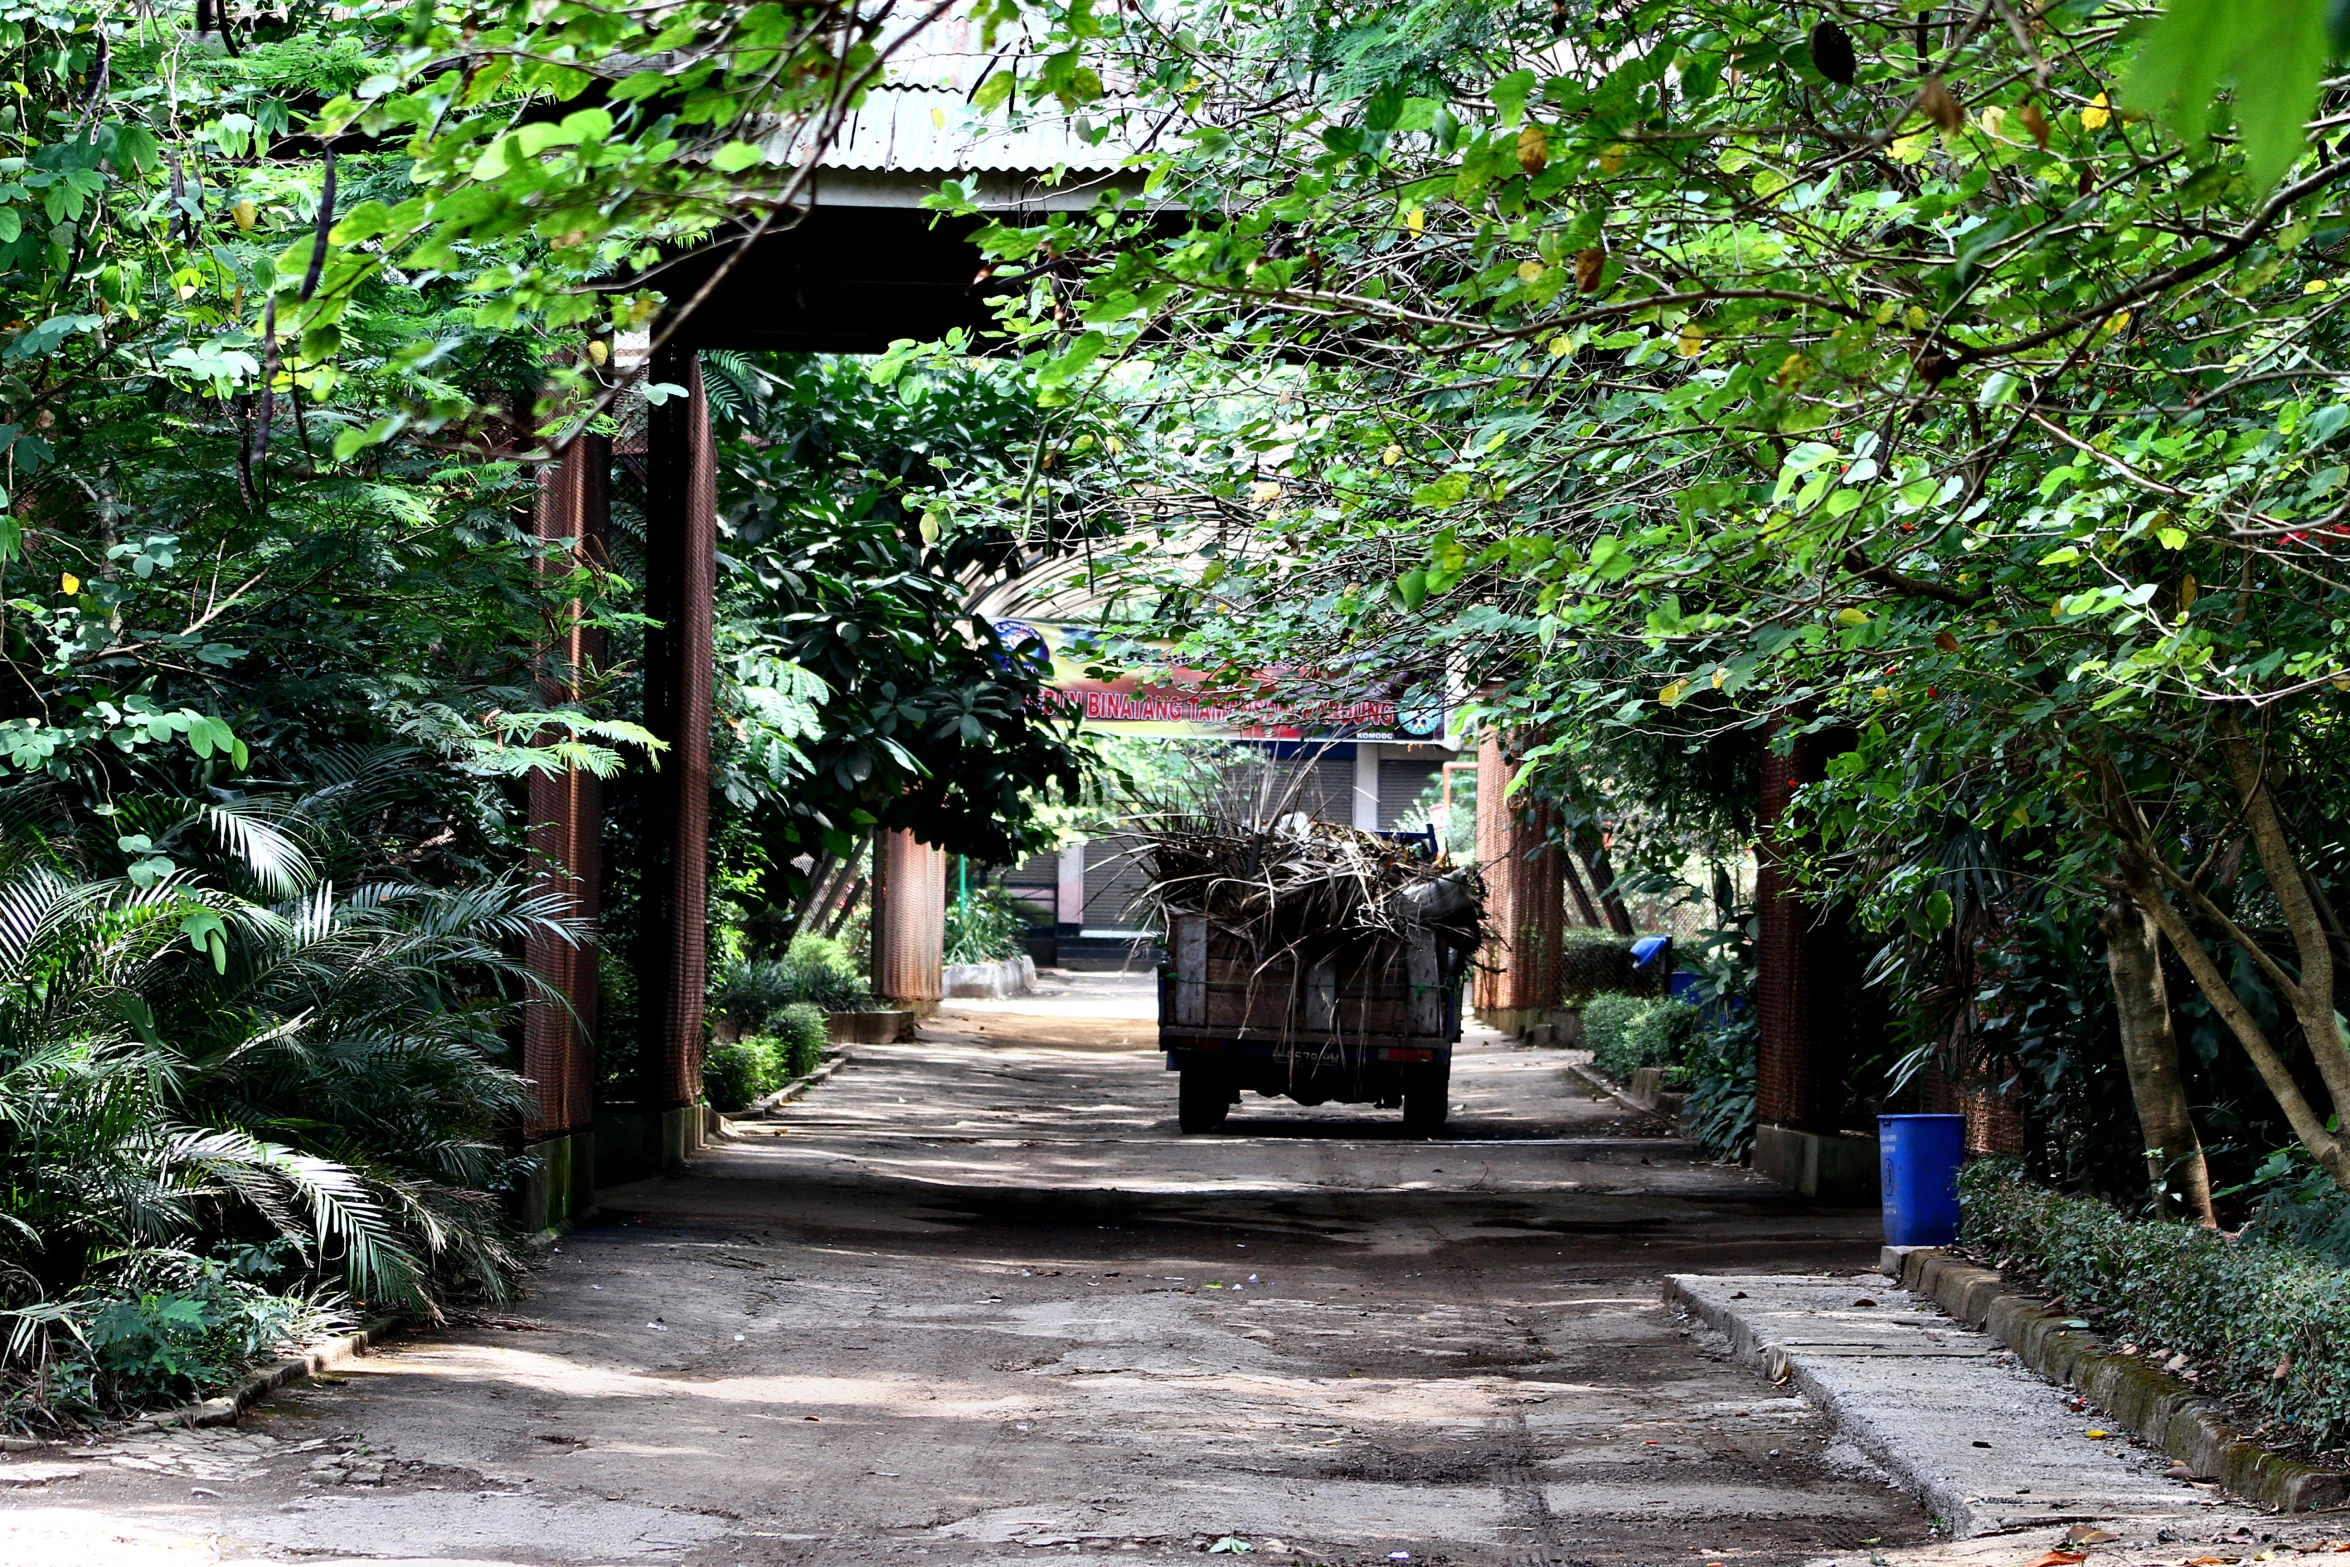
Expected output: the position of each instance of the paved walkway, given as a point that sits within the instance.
(976, 1299)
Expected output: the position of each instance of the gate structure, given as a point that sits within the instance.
(865, 265)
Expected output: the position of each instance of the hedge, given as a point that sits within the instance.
(2255, 1318)
(1626, 1033)
(733, 1076)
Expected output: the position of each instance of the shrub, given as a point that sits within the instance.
(800, 1036)
(1607, 1029)
(1626, 1033)
(746, 994)
(1720, 1106)
(815, 972)
(1664, 1034)
(737, 1075)
(2259, 1319)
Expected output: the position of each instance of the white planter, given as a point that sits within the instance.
(988, 981)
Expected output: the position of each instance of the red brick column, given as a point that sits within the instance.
(681, 576)
(1804, 984)
(1525, 896)
(566, 813)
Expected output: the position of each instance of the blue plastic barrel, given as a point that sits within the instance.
(1918, 1158)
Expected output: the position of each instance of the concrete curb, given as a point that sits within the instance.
(324, 1355)
(2170, 1414)
(1604, 1089)
(791, 1090)
(1936, 1492)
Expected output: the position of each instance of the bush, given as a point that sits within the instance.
(1626, 1033)
(736, 1076)
(1664, 1034)
(2259, 1319)
(815, 972)
(800, 1037)
(1720, 1106)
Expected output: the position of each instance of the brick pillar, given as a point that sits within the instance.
(909, 921)
(681, 575)
(566, 813)
(1803, 1002)
(1517, 977)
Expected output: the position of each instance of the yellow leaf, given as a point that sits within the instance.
(1994, 122)
(1611, 159)
(245, 213)
(1263, 493)
(1531, 272)
(1852, 617)
(2119, 321)
(1672, 692)
(1916, 317)
(1533, 150)
(599, 350)
(2187, 591)
(938, 117)
(1416, 220)
(1792, 369)
(1391, 456)
(1909, 149)
(1721, 673)
(1561, 345)
(2099, 111)
(1691, 342)
(69, 584)
(1883, 693)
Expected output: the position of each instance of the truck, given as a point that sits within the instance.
(1363, 1018)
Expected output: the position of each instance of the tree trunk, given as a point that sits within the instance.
(2151, 883)
(2150, 1050)
(1583, 903)
(1593, 848)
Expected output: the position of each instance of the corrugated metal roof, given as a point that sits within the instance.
(934, 130)
(922, 120)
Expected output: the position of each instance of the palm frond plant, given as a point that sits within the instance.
(236, 1096)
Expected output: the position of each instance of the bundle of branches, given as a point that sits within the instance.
(1305, 889)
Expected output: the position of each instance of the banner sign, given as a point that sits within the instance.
(1169, 699)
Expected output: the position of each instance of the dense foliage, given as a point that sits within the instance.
(1685, 389)
(2262, 1321)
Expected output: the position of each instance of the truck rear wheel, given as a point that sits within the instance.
(1201, 1099)
(1426, 1100)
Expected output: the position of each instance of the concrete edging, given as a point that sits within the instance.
(789, 1091)
(321, 1356)
(2170, 1414)
(1602, 1088)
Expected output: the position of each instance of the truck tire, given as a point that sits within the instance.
(1427, 1096)
(1201, 1099)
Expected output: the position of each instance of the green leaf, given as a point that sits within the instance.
(734, 157)
(2275, 50)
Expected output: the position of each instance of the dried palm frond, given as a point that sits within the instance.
(1303, 888)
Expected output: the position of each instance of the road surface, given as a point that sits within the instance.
(976, 1300)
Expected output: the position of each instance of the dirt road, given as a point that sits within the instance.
(975, 1300)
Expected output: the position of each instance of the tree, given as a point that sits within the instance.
(1885, 378)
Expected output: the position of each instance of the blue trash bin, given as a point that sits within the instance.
(1918, 1158)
